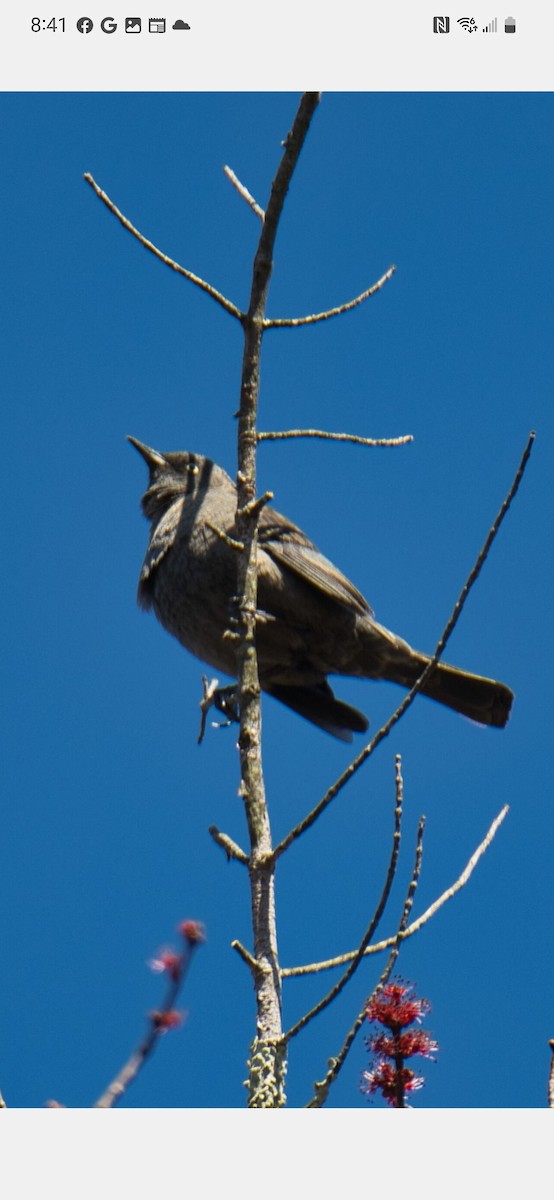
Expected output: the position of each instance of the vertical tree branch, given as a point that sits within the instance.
(551, 1076)
(267, 1064)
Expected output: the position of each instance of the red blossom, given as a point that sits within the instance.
(395, 1007)
(192, 931)
(388, 1079)
(170, 1019)
(167, 960)
(412, 1041)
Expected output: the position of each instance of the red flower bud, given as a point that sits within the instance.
(167, 1020)
(192, 931)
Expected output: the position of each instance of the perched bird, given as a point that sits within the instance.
(311, 621)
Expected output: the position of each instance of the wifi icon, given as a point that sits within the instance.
(468, 23)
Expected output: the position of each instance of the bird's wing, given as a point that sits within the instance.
(289, 547)
(160, 542)
(318, 704)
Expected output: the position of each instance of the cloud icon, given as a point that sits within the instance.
(180, 25)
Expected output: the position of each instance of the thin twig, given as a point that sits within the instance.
(169, 262)
(243, 191)
(231, 542)
(230, 847)
(321, 1089)
(278, 435)
(159, 1022)
(378, 947)
(294, 322)
(254, 507)
(395, 850)
(246, 956)
(385, 729)
(227, 844)
(209, 688)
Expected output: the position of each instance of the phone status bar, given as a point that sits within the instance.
(108, 25)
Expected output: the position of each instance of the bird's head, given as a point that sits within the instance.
(175, 474)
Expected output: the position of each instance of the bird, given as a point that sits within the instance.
(311, 621)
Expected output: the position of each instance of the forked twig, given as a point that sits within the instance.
(267, 322)
(378, 947)
(385, 729)
(254, 507)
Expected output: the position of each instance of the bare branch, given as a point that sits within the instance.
(294, 322)
(385, 729)
(266, 1076)
(357, 958)
(378, 947)
(279, 435)
(243, 191)
(321, 1089)
(169, 262)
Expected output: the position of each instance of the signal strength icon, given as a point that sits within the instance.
(492, 26)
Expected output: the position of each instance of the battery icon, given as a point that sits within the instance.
(510, 25)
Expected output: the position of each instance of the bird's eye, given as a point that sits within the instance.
(192, 467)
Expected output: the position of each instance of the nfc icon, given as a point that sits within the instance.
(441, 24)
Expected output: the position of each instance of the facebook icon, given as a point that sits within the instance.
(84, 25)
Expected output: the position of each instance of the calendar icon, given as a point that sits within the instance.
(156, 25)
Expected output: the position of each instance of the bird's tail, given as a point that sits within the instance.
(484, 700)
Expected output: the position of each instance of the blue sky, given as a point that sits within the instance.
(107, 798)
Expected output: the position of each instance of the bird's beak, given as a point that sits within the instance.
(152, 458)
